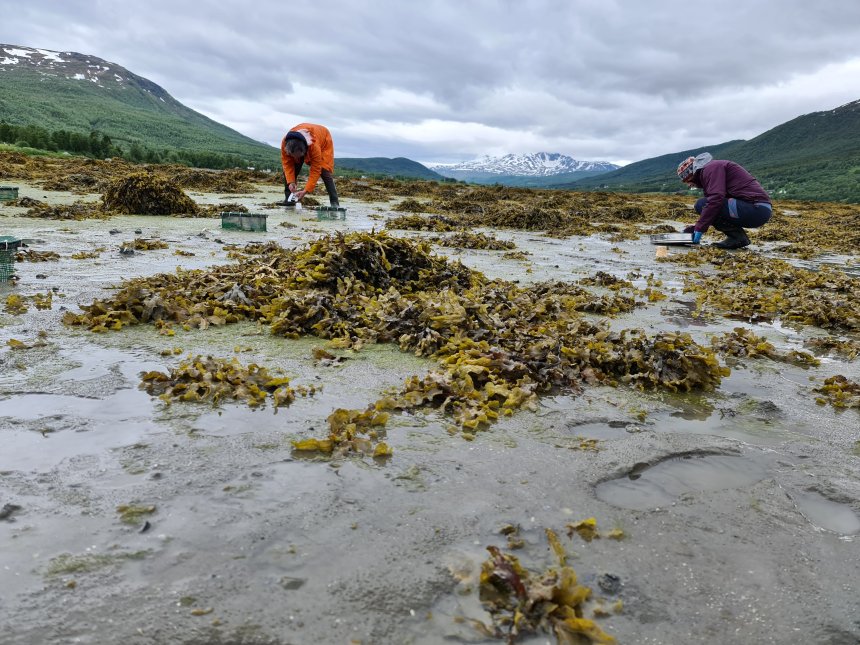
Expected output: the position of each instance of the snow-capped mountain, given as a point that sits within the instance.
(79, 93)
(75, 67)
(541, 164)
(539, 169)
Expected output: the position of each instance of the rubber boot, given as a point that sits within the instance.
(328, 180)
(736, 238)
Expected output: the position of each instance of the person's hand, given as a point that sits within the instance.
(689, 229)
(697, 237)
(292, 187)
(299, 195)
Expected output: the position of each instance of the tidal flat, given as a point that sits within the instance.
(689, 405)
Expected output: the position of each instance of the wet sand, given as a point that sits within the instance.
(741, 507)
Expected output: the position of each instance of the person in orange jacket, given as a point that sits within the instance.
(309, 143)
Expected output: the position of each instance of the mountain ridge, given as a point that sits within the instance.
(813, 156)
(539, 164)
(530, 170)
(79, 92)
(394, 167)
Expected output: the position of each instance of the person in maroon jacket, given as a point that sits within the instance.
(733, 199)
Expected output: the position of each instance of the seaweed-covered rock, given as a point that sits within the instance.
(438, 223)
(410, 205)
(143, 193)
(466, 240)
(77, 211)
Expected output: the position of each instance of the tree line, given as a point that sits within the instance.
(99, 145)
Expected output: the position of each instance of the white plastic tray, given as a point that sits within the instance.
(672, 238)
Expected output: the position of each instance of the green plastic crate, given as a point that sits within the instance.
(330, 212)
(8, 245)
(8, 193)
(243, 221)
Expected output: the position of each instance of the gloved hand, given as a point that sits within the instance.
(697, 237)
(689, 229)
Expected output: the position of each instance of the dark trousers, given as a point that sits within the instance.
(328, 180)
(736, 213)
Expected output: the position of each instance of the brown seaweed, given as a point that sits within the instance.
(144, 193)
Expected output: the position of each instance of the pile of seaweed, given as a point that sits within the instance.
(410, 205)
(144, 244)
(361, 189)
(215, 210)
(466, 240)
(809, 228)
(31, 255)
(14, 165)
(521, 602)
(498, 344)
(840, 392)
(559, 214)
(743, 343)
(532, 217)
(25, 202)
(76, 182)
(438, 223)
(845, 347)
(756, 288)
(145, 193)
(212, 379)
(75, 174)
(77, 211)
(213, 181)
(82, 175)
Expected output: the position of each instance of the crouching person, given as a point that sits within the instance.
(733, 199)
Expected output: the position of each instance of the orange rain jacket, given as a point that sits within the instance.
(320, 154)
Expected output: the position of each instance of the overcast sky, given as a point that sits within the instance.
(453, 80)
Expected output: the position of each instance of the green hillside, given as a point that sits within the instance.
(815, 156)
(396, 167)
(649, 175)
(82, 93)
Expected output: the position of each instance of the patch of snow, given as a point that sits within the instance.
(49, 55)
(79, 77)
(24, 53)
(9, 61)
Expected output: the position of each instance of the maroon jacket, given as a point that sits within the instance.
(721, 180)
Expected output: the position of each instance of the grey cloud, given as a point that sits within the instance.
(623, 77)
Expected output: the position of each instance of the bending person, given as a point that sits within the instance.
(309, 143)
(733, 199)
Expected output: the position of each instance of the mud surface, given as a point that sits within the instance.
(740, 507)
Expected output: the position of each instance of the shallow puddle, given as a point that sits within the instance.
(119, 407)
(826, 514)
(42, 430)
(651, 487)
